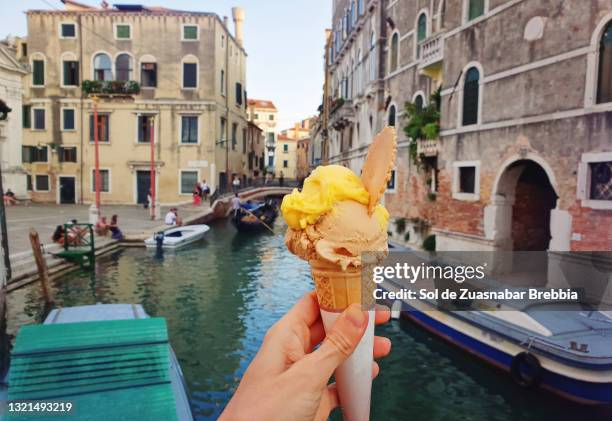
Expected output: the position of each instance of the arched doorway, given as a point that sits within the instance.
(534, 199)
(524, 198)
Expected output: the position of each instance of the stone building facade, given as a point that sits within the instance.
(264, 114)
(256, 153)
(180, 73)
(523, 159)
(11, 92)
(286, 156)
(355, 84)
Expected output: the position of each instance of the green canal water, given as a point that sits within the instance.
(220, 297)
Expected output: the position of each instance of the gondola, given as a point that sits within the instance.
(254, 216)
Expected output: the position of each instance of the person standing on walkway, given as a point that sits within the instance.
(205, 190)
(236, 184)
(197, 195)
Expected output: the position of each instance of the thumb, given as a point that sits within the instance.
(340, 341)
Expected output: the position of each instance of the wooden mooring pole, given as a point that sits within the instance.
(41, 264)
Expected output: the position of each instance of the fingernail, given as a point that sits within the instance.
(355, 315)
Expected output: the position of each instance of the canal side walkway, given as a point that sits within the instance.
(134, 222)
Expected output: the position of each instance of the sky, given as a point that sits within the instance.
(284, 41)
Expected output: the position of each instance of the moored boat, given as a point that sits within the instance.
(177, 237)
(254, 216)
(105, 361)
(561, 347)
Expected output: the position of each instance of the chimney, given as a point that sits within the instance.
(238, 15)
(225, 21)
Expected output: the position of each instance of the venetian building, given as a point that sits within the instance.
(264, 114)
(11, 91)
(153, 75)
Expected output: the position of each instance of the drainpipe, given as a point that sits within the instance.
(227, 120)
(81, 76)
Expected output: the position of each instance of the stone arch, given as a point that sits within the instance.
(523, 200)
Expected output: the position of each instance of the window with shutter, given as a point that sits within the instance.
(238, 93)
(476, 8)
(471, 96)
(144, 128)
(189, 129)
(148, 75)
(68, 30)
(26, 115)
(39, 119)
(467, 179)
(103, 128)
(122, 32)
(190, 33)
(190, 75)
(38, 72)
(104, 181)
(604, 85)
(71, 73)
(68, 119)
(601, 180)
(188, 181)
(42, 183)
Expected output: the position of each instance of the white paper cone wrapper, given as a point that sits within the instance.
(354, 376)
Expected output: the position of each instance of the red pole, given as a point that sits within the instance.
(152, 128)
(97, 154)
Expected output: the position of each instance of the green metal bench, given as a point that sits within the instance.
(79, 245)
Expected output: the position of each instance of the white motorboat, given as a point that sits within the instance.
(177, 237)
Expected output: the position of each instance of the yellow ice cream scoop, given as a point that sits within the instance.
(326, 186)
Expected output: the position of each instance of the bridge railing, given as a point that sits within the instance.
(254, 183)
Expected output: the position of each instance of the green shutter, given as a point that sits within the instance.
(190, 32)
(123, 32)
(26, 116)
(38, 72)
(476, 9)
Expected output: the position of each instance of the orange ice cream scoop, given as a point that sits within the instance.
(336, 217)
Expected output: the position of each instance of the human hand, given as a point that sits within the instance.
(287, 378)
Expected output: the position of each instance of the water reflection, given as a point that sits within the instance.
(220, 296)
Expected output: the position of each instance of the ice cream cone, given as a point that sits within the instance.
(337, 289)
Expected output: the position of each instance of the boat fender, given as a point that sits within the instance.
(526, 370)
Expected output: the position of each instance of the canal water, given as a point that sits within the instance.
(220, 296)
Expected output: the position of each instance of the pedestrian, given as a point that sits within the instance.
(205, 190)
(236, 203)
(172, 218)
(236, 184)
(197, 195)
(116, 233)
(149, 201)
(102, 227)
(281, 179)
(9, 198)
(59, 235)
(74, 234)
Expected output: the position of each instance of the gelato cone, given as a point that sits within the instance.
(334, 223)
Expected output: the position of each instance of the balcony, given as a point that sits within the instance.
(341, 113)
(111, 87)
(428, 147)
(431, 51)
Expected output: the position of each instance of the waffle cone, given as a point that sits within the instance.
(337, 289)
